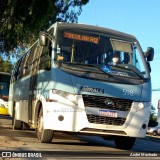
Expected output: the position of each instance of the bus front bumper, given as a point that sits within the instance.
(70, 117)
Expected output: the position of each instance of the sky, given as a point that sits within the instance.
(140, 18)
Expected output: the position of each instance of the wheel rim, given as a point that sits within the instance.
(154, 133)
(40, 126)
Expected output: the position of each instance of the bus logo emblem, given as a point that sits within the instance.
(93, 90)
(109, 103)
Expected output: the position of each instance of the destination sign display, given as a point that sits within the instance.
(81, 37)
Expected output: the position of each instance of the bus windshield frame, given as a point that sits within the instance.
(95, 48)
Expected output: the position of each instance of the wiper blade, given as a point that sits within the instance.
(80, 71)
(95, 72)
(77, 63)
(108, 69)
(92, 67)
(129, 67)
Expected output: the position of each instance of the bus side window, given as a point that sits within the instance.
(25, 66)
(21, 67)
(30, 59)
(16, 71)
(45, 58)
(13, 78)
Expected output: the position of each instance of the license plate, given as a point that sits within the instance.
(108, 113)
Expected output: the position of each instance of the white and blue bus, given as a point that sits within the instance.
(67, 82)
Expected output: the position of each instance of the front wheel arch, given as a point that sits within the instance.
(37, 111)
(44, 135)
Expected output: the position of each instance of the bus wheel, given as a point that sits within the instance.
(154, 133)
(16, 124)
(44, 135)
(124, 143)
(25, 126)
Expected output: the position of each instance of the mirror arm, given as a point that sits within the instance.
(44, 36)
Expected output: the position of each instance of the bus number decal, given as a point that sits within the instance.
(128, 92)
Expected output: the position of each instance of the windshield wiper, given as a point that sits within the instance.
(102, 69)
(129, 67)
(97, 72)
(90, 67)
(87, 71)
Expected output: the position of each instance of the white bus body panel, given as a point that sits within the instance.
(75, 118)
(21, 108)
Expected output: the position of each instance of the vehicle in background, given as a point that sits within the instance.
(4, 91)
(154, 130)
(67, 82)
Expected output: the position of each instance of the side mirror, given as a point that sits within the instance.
(149, 54)
(43, 40)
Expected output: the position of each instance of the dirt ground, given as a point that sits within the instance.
(11, 138)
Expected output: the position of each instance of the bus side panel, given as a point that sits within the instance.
(21, 109)
(19, 96)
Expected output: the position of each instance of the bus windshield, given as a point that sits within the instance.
(98, 49)
(4, 85)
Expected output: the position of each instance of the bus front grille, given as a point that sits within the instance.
(101, 102)
(110, 103)
(105, 120)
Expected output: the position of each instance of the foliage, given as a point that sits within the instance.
(21, 20)
(153, 118)
(5, 66)
(152, 110)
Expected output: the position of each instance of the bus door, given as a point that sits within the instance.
(33, 81)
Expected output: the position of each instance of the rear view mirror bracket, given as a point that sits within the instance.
(45, 38)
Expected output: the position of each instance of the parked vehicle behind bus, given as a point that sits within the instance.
(67, 82)
(4, 91)
(154, 130)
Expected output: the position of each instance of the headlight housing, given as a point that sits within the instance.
(66, 95)
(142, 105)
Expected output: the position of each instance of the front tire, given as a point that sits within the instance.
(44, 135)
(154, 133)
(25, 126)
(125, 143)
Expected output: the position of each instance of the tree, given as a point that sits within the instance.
(153, 118)
(21, 20)
(5, 66)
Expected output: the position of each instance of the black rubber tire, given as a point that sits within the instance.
(16, 124)
(44, 135)
(154, 133)
(125, 143)
(25, 126)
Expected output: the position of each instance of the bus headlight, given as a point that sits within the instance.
(66, 95)
(143, 105)
(71, 97)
